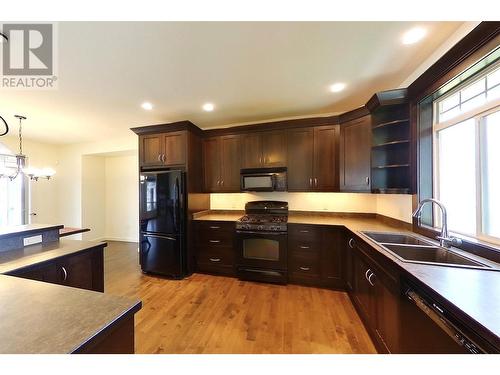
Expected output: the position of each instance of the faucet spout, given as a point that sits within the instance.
(444, 239)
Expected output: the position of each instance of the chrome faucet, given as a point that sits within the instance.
(444, 239)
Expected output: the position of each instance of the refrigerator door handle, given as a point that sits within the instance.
(158, 236)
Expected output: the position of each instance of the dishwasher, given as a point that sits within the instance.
(429, 329)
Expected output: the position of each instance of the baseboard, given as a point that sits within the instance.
(121, 239)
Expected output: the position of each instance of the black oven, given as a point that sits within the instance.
(262, 256)
(263, 179)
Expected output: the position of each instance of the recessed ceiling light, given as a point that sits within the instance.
(413, 35)
(147, 106)
(209, 107)
(337, 87)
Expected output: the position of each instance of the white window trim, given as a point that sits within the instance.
(478, 114)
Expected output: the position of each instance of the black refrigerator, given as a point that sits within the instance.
(162, 248)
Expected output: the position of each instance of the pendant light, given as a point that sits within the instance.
(21, 168)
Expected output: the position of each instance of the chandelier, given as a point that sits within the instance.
(13, 168)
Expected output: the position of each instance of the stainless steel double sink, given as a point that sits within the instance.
(413, 249)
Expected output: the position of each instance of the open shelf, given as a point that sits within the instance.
(392, 143)
(391, 166)
(389, 123)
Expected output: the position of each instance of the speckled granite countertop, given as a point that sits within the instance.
(475, 293)
(38, 317)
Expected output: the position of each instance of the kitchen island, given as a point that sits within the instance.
(52, 300)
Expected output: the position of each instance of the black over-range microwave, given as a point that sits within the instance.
(263, 179)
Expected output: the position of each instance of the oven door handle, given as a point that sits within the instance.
(263, 233)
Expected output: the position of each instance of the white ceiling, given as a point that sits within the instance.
(250, 71)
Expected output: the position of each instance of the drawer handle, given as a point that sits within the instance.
(303, 231)
(351, 243)
(370, 279)
(214, 241)
(366, 273)
(305, 268)
(215, 260)
(65, 277)
(214, 227)
(304, 247)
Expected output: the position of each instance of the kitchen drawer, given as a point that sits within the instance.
(304, 270)
(305, 233)
(216, 260)
(304, 247)
(215, 233)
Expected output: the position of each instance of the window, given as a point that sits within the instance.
(11, 192)
(466, 135)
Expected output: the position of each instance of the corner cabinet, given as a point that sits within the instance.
(355, 149)
(264, 149)
(165, 149)
(313, 158)
(221, 162)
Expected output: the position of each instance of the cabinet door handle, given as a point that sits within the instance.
(222, 182)
(304, 231)
(311, 182)
(304, 247)
(215, 260)
(367, 179)
(351, 243)
(214, 241)
(65, 273)
(370, 279)
(218, 182)
(159, 157)
(260, 160)
(214, 227)
(366, 273)
(305, 268)
(164, 158)
(315, 182)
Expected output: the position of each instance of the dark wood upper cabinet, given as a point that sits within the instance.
(150, 150)
(230, 162)
(251, 150)
(274, 149)
(264, 149)
(165, 149)
(312, 158)
(300, 144)
(174, 148)
(211, 164)
(326, 158)
(221, 160)
(355, 150)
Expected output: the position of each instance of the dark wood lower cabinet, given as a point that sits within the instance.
(84, 270)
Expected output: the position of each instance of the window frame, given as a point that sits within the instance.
(478, 114)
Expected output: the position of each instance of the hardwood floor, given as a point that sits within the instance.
(214, 314)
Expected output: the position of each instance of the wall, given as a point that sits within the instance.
(44, 194)
(93, 198)
(392, 205)
(122, 202)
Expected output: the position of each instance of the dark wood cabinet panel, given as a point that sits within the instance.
(83, 270)
(274, 149)
(230, 163)
(251, 150)
(300, 149)
(150, 150)
(174, 148)
(326, 158)
(387, 316)
(331, 258)
(355, 150)
(76, 271)
(212, 164)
